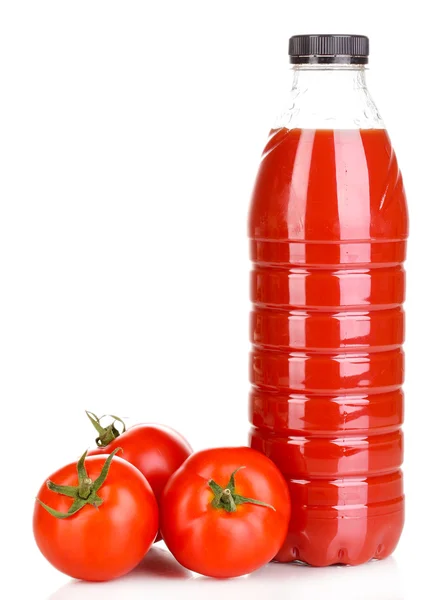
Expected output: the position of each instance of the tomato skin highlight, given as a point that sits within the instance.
(214, 542)
(98, 544)
(156, 450)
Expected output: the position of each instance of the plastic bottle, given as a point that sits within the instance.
(328, 228)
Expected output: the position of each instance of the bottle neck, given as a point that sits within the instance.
(329, 97)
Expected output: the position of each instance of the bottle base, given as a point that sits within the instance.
(321, 542)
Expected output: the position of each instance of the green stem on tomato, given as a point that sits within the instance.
(107, 434)
(84, 493)
(226, 498)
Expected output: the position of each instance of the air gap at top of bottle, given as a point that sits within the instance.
(328, 227)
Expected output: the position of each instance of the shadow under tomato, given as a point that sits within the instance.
(161, 576)
(159, 562)
(157, 566)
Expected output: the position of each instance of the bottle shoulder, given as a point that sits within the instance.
(329, 184)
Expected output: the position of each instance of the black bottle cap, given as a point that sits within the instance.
(329, 49)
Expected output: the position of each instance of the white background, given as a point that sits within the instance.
(130, 134)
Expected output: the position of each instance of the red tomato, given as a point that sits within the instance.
(107, 536)
(212, 517)
(157, 451)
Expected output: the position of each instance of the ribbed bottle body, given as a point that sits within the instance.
(328, 228)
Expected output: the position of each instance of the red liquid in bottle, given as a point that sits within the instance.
(328, 229)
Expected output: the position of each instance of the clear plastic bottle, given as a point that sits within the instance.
(328, 228)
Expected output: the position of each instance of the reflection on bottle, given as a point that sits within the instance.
(376, 580)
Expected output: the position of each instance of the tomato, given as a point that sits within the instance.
(225, 512)
(157, 451)
(97, 519)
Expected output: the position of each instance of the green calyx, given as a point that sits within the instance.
(86, 492)
(226, 498)
(105, 434)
